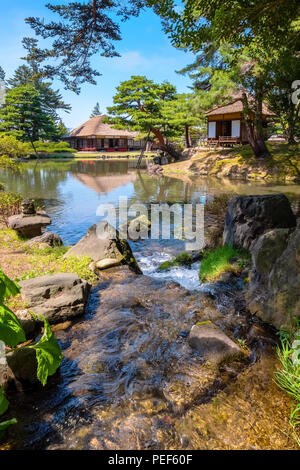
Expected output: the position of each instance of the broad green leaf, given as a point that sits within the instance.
(7, 287)
(11, 331)
(3, 402)
(48, 354)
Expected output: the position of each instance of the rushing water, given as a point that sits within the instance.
(128, 376)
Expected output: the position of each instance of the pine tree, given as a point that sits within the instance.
(96, 111)
(139, 105)
(25, 117)
(83, 29)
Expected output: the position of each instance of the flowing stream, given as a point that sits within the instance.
(128, 377)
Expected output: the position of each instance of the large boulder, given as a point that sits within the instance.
(29, 226)
(103, 250)
(248, 217)
(59, 297)
(212, 343)
(273, 293)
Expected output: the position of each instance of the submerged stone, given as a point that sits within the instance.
(212, 343)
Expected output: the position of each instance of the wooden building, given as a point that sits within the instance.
(225, 124)
(95, 135)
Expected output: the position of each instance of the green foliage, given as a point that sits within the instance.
(179, 260)
(48, 354)
(53, 147)
(82, 30)
(12, 147)
(25, 115)
(10, 204)
(196, 22)
(218, 261)
(288, 376)
(11, 331)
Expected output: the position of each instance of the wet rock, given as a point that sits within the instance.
(29, 226)
(99, 247)
(212, 343)
(248, 217)
(23, 365)
(58, 297)
(273, 293)
(47, 238)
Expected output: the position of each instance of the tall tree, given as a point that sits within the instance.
(25, 117)
(180, 115)
(138, 105)
(96, 111)
(83, 29)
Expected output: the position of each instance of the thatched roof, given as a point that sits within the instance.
(236, 106)
(96, 127)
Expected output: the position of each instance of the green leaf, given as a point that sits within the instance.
(7, 287)
(48, 354)
(11, 331)
(3, 402)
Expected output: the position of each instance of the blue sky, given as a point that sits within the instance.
(144, 49)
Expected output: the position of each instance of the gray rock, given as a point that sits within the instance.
(248, 217)
(58, 297)
(273, 293)
(49, 238)
(29, 226)
(212, 343)
(100, 249)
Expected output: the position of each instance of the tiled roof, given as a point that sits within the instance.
(96, 127)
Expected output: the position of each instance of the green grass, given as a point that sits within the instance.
(218, 261)
(288, 376)
(179, 260)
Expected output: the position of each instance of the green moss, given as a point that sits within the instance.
(179, 260)
(218, 261)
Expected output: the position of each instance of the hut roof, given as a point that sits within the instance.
(96, 126)
(236, 106)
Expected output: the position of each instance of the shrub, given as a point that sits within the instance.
(11, 148)
(215, 262)
(53, 147)
(10, 204)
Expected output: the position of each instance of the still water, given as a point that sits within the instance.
(128, 379)
(72, 191)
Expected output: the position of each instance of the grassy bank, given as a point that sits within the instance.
(220, 260)
(283, 163)
(19, 261)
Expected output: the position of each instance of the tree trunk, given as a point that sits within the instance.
(166, 147)
(254, 126)
(188, 142)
